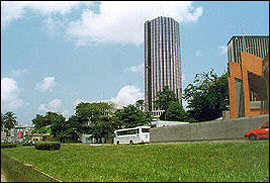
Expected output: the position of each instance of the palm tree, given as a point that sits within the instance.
(9, 121)
(2, 122)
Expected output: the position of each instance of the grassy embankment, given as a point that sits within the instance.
(248, 161)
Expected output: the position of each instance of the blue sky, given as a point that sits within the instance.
(57, 54)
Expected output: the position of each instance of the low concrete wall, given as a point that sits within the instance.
(210, 130)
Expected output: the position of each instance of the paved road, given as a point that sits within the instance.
(203, 141)
(211, 141)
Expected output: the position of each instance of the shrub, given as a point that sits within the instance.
(47, 145)
(8, 145)
(27, 144)
(51, 139)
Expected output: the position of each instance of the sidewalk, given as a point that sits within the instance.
(3, 179)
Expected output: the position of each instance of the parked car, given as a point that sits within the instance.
(258, 133)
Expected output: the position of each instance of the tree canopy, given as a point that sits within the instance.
(56, 123)
(95, 119)
(131, 116)
(175, 112)
(164, 98)
(207, 96)
(8, 121)
(167, 101)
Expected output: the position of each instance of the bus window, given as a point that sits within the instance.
(127, 132)
(145, 130)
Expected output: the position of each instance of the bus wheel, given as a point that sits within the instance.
(131, 142)
(117, 142)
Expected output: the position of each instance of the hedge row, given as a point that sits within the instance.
(16, 171)
(27, 144)
(47, 145)
(8, 145)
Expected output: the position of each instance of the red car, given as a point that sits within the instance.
(258, 133)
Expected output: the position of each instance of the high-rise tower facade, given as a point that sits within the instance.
(255, 45)
(162, 59)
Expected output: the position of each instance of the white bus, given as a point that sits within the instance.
(136, 135)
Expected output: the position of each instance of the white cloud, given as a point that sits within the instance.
(78, 101)
(198, 53)
(120, 22)
(19, 72)
(123, 21)
(128, 95)
(223, 50)
(136, 68)
(13, 10)
(10, 93)
(46, 83)
(54, 106)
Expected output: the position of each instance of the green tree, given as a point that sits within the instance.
(8, 121)
(56, 123)
(102, 129)
(95, 118)
(58, 126)
(175, 112)
(207, 97)
(164, 98)
(2, 122)
(90, 112)
(42, 130)
(140, 104)
(41, 121)
(74, 128)
(131, 116)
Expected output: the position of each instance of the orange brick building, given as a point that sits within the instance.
(248, 83)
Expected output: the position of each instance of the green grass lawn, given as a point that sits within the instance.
(230, 161)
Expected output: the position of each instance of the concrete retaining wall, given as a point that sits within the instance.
(211, 130)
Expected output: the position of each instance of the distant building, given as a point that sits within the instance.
(39, 137)
(20, 132)
(3, 136)
(255, 45)
(162, 60)
(248, 75)
(88, 139)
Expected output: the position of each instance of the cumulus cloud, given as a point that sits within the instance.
(53, 106)
(198, 53)
(10, 93)
(13, 10)
(46, 84)
(122, 22)
(78, 101)
(136, 68)
(223, 50)
(128, 95)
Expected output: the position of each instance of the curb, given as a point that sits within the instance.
(31, 166)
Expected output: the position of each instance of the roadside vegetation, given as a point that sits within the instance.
(202, 162)
(206, 98)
